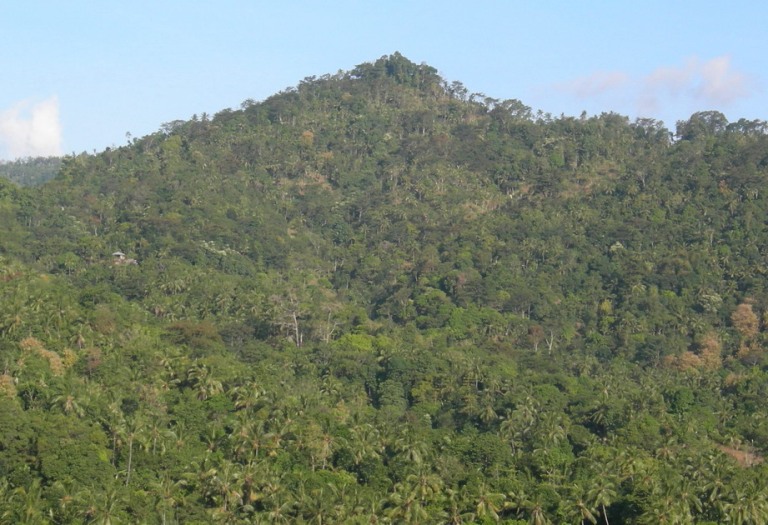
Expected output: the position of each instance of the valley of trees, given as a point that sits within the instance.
(376, 297)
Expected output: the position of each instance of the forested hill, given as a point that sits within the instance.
(30, 171)
(378, 296)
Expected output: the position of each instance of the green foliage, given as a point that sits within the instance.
(379, 297)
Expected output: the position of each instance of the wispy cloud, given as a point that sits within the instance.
(720, 83)
(31, 129)
(713, 82)
(596, 84)
(709, 83)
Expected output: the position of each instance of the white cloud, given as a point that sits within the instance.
(713, 83)
(720, 84)
(672, 79)
(664, 82)
(29, 129)
(596, 84)
(710, 83)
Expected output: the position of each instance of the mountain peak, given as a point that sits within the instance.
(399, 68)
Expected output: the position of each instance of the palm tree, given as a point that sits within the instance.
(686, 499)
(214, 436)
(67, 500)
(716, 478)
(411, 449)
(661, 511)
(68, 404)
(105, 508)
(248, 395)
(158, 435)
(319, 505)
(202, 380)
(488, 503)
(534, 507)
(510, 431)
(129, 431)
(580, 509)
(265, 485)
(459, 503)
(365, 442)
(670, 501)
(12, 322)
(167, 497)
(247, 438)
(224, 485)
(281, 513)
(601, 494)
(425, 486)
(25, 505)
(520, 500)
(170, 360)
(746, 505)
(327, 446)
(405, 506)
(487, 411)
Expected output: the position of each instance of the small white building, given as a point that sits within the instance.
(120, 259)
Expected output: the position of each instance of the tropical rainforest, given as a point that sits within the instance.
(377, 297)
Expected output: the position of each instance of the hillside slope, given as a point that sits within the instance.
(378, 295)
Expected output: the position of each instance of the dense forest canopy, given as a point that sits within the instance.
(376, 297)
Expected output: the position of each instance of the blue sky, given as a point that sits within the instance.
(79, 75)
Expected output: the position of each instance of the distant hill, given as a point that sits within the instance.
(30, 171)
